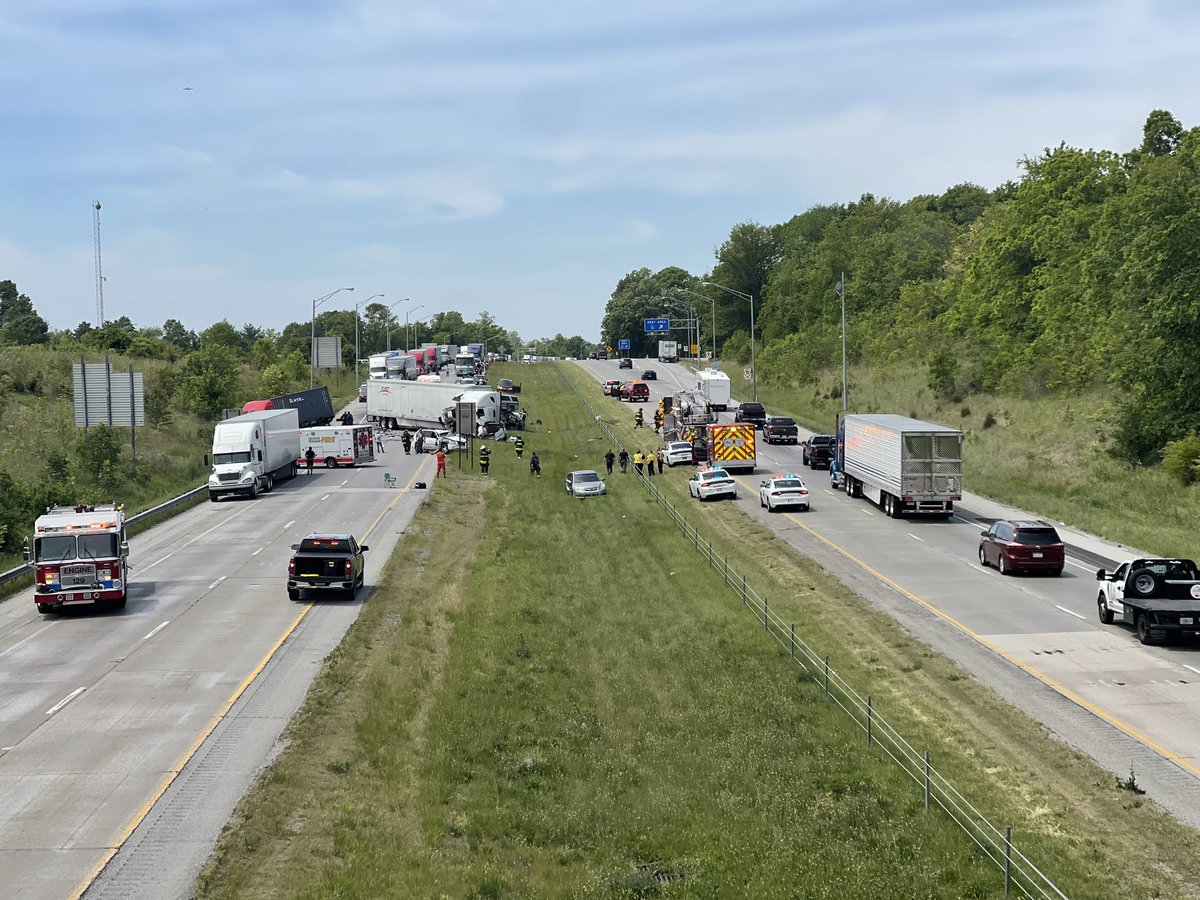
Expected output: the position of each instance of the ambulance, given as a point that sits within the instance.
(731, 447)
(338, 445)
(79, 555)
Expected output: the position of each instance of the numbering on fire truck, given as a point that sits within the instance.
(79, 555)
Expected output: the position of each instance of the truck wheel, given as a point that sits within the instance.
(119, 603)
(213, 497)
(1144, 632)
(330, 462)
(254, 489)
(1144, 583)
(45, 609)
(1104, 613)
(270, 484)
(293, 594)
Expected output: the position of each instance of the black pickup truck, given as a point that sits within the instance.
(328, 563)
(780, 430)
(818, 451)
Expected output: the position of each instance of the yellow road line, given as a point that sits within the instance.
(179, 766)
(1000, 651)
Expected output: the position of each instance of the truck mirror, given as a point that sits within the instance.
(295, 546)
(206, 460)
(124, 548)
(27, 552)
(983, 534)
(363, 547)
(1101, 575)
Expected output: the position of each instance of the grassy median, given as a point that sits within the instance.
(557, 698)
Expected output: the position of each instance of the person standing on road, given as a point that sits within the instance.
(520, 446)
(441, 463)
(309, 456)
(379, 442)
(624, 458)
(535, 465)
(485, 458)
(406, 441)
(609, 459)
(419, 444)
(660, 458)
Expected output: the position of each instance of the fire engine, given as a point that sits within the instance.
(731, 446)
(79, 555)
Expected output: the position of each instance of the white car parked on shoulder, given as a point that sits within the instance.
(787, 490)
(714, 482)
(678, 453)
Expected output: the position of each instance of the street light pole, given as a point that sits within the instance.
(407, 313)
(694, 321)
(312, 346)
(840, 287)
(357, 307)
(750, 297)
(389, 321)
(713, 301)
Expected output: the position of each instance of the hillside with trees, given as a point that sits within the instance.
(1084, 274)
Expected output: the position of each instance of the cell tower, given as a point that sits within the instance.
(99, 270)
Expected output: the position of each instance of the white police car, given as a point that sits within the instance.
(781, 491)
(712, 482)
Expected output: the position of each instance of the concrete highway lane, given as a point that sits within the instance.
(106, 716)
(1033, 639)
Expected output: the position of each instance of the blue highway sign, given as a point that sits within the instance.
(653, 325)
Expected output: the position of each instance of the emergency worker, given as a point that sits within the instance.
(520, 446)
(485, 458)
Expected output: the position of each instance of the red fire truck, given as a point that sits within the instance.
(79, 555)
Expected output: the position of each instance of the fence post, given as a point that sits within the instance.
(827, 676)
(926, 781)
(725, 571)
(766, 614)
(1007, 860)
(743, 590)
(710, 554)
(869, 716)
(793, 640)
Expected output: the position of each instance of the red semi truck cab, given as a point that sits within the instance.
(79, 555)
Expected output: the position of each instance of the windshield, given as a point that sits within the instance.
(586, 477)
(97, 546)
(1039, 536)
(242, 456)
(789, 483)
(55, 549)
(775, 423)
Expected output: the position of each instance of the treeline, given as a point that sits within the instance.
(1085, 271)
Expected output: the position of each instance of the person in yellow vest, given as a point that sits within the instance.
(638, 460)
(520, 445)
(485, 456)
(648, 456)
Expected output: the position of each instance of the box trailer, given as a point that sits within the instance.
(410, 404)
(902, 465)
(714, 385)
(252, 451)
(338, 445)
(313, 405)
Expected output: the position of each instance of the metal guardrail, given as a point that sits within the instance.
(1020, 874)
(24, 569)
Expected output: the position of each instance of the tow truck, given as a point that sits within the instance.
(1160, 598)
(79, 554)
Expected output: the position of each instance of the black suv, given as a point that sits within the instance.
(818, 451)
(752, 413)
(781, 430)
(625, 364)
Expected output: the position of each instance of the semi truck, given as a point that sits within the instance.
(731, 447)
(79, 555)
(414, 404)
(401, 365)
(904, 466)
(464, 365)
(476, 350)
(338, 445)
(489, 408)
(252, 451)
(714, 385)
(668, 351)
(313, 406)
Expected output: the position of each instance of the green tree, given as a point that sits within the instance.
(209, 380)
(222, 334)
(1162, 134)
(19, 321)
(175, 333)
(100, 445)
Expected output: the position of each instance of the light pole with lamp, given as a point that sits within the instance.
(312, 360)
(750, 297)
(687, 307)
(389, 321)
(840, 289)
(713, 301)
(407, 313)
(357, 307)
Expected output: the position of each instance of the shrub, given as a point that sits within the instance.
(989, 420)
(1181, 457)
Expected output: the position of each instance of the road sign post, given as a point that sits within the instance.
(623, 344)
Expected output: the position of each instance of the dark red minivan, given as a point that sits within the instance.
(1018, 546)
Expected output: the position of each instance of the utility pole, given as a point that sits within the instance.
(840, 287)
(99, 269)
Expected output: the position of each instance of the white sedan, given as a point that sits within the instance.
(779, 491)
(432, 438)
(678, 453)
(714, 482)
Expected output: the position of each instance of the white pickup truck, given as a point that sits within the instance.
(1160, 598)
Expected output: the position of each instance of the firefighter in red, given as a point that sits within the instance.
(441, 463)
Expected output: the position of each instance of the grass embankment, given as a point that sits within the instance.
(552, 697)
(1048, 455)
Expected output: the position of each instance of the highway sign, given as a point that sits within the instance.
(623, 344)
(747, 374)
(653, 325)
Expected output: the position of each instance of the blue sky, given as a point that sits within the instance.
(510, 155)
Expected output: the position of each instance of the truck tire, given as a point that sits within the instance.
(254, 489)
(330, 462)
(270, 484)
(1104, 614)
(1144, 583)
(293, 594)
(45, 609)
(1145, 633)
(119, 603)
(213, 497)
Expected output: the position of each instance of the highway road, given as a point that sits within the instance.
(127, 737)
(1033, 639)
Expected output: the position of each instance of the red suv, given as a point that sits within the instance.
(1016, 546)
(635, 391)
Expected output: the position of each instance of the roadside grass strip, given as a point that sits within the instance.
(553, 697)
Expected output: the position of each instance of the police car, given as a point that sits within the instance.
(779, 491)
(712, 482)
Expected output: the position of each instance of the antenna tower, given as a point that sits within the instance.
(99, 271)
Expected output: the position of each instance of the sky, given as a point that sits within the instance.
(515, 156)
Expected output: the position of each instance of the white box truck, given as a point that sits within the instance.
(714, 385)
(410, 404)
(252, 451)
(668, 351)
(338, 445)
(902, 465)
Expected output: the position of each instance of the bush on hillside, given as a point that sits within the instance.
(1181, 459)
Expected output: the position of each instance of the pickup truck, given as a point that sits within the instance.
(1160, 598)
(781, 430)
(328, 563)
(818, 451)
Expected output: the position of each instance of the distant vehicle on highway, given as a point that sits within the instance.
(780, 430)
(625, 364)
(818, 451)
(362, 393)
(1019, 546)
(585, 483)
(714, 482)
(612, 388)
(752, 413)
(779, 491)
(635, 392)
(649, 375)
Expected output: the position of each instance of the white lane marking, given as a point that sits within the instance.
(866, 512)
(218, 581)
(289, 525)
(6, 749)
(1193, 668)
(157, 561)
(1080, 566)
(914, 537)
(196, 538)
(323, 499)
(24, 641)
(829, 492)
(1069, 612)
(157, 630)
(63, 702)
(346, 482)
(258, 551)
